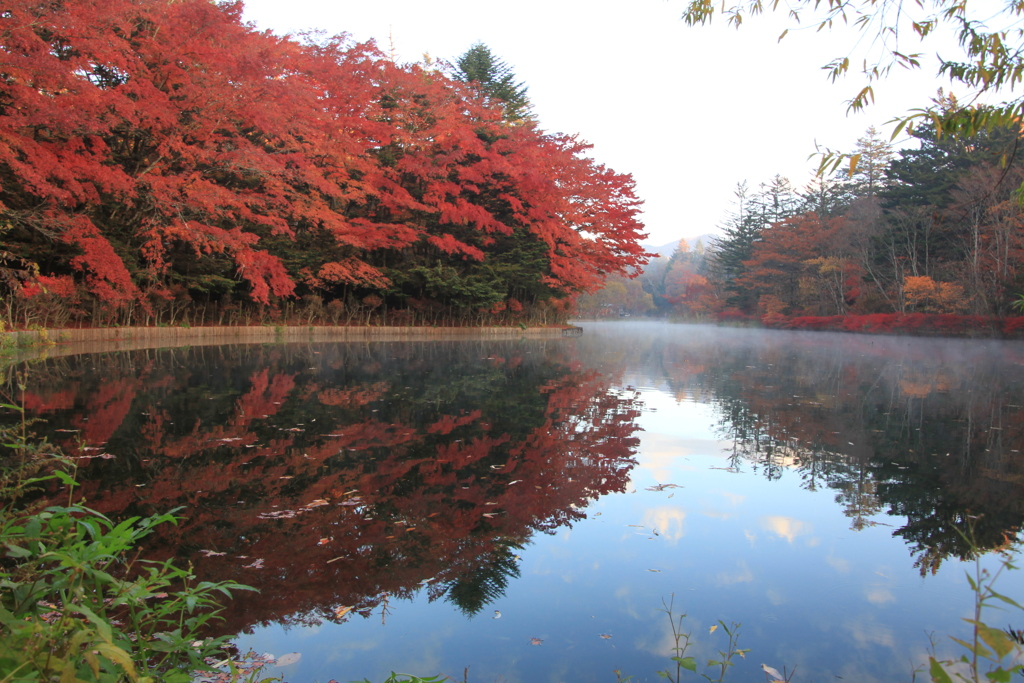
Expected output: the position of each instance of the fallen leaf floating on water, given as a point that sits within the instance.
(339, 612)
(713, 628)
(290, 658)
(277, 514)
(658, 571)
(316, 503)
(210, 553)
(497, 615)
(662, 487)
(102, 456)
(256, 564)
(323, 541)
(774, 673)
(606, 636)
(535, 641)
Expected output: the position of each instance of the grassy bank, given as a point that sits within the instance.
(85, 340)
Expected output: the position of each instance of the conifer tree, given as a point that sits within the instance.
(496, 80)
(873, 154)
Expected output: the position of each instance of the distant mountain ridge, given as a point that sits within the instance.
(669, 248)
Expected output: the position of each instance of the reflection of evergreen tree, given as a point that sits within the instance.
(903, 433)
(487, 581)
(859, 498)
(353, 471)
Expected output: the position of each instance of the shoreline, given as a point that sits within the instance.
(20, 343)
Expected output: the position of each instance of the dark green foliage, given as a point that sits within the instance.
(74, 604)
(487, 582)
(774, 201)
(927, 175)
(495, 79)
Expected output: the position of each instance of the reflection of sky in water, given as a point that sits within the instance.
(809, 591)
(836, 430)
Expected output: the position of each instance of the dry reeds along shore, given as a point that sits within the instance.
(126, 338)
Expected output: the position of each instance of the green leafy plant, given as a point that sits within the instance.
(682, 641)
(76, 605)
(408, 678)
(991, 654)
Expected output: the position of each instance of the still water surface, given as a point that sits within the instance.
(522, 508)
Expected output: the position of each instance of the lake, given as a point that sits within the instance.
(524, 509)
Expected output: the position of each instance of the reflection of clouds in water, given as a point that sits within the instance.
(879, 596)
(741, 575)
(667, 520)
(785, 527)
(664, 455)
(749, 536)
(662, 645)
(714, 514)
(866, 634)
(659, 641)
(734, 498)
(775, 597)
(661, 456)
(838, 563)
(627, 603)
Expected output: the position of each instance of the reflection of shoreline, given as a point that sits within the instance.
(334, 476)
(103, 339)
(927, 430)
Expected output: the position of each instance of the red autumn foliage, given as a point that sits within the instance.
(166, 143)
(378, 474)
(733, 315)
(902, 323)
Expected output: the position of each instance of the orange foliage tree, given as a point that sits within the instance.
(157, 151)
(796, 262)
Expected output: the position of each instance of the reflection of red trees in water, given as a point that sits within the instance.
(348, 503)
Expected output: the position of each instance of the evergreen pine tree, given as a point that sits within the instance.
(495, 79)
(873, 155)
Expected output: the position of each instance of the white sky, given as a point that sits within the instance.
(688, 111)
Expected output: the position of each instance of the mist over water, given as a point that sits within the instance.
(522, 508)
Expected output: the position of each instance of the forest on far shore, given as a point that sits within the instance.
(166, 163)
(928, 235)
